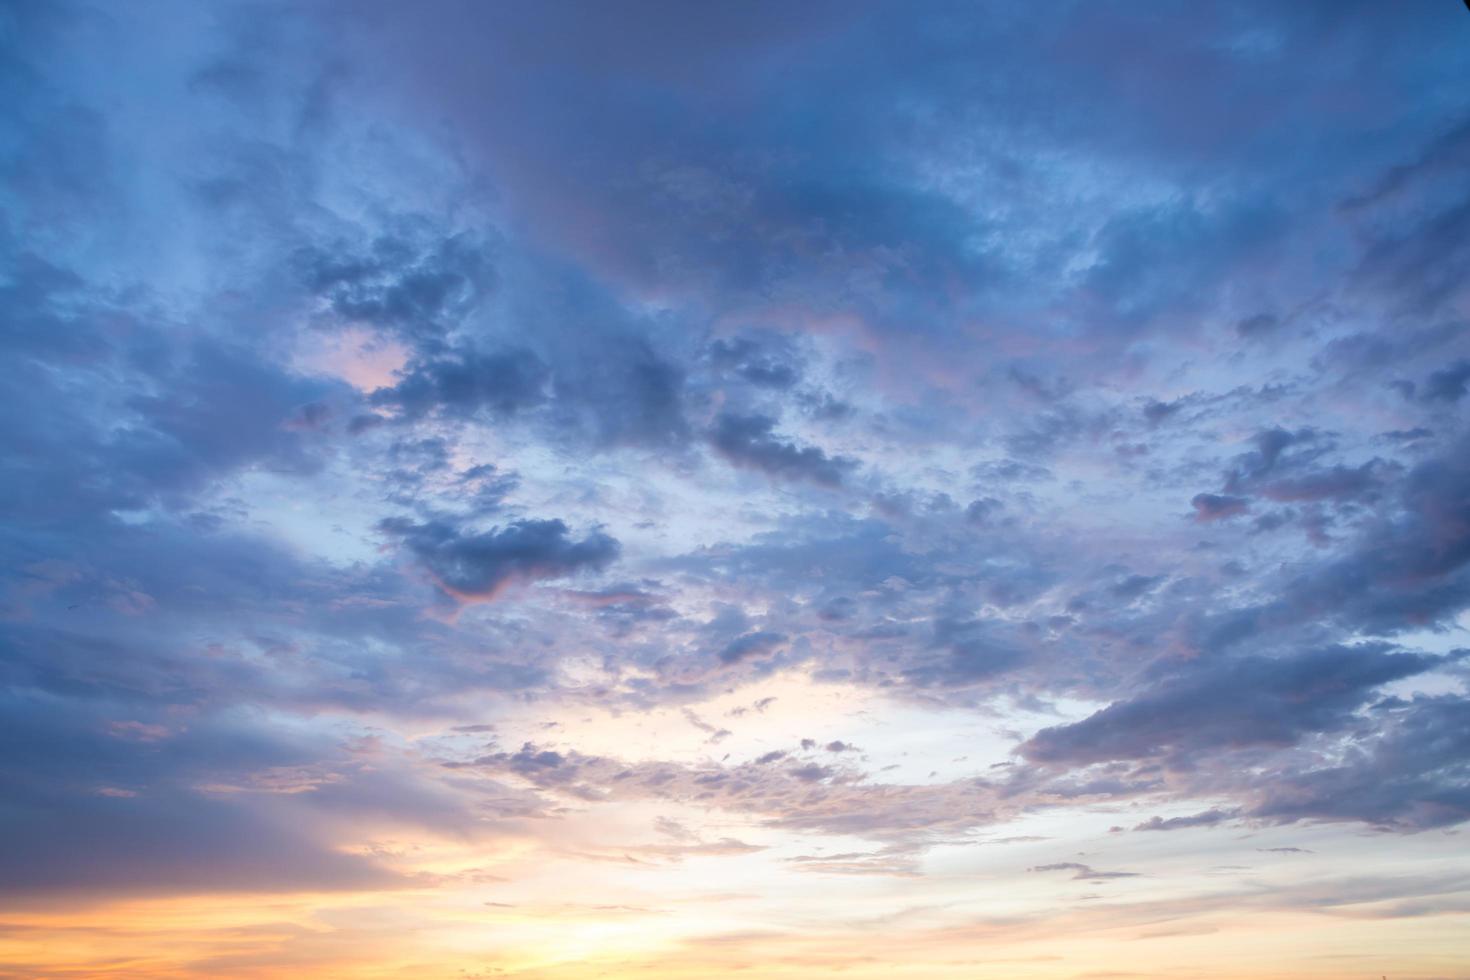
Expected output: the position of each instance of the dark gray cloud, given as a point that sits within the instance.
(1334, 483)
(1447, 384)
(471, 564)
(402, 280)
(167, 806)
(1208, 818)
(748, 440)
(982, 510)
(1406, 570)
(1414, 253)
(751, 645)
(1412, 774)
(501, 383)
(1273, 702)
(768, 365)
(972, 652)
(190, 413)
(1133, 247)
(1218, 506)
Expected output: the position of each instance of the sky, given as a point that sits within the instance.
(566, 490)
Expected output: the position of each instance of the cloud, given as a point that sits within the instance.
(765, 366)
(1405, 570)
(751, 645)
(1336, 483)
(403, 280)
(1412, 253)
(113, 819)
(1447, 384)
(1133, 246)
(1218, 507)
(622, 392)
(1084, 872)
(1410, 775)
(476, 566)
(747, 440)
(365, 323)
(973, 652)
(781, 792)
(1208, 818)
(1274, 702)
(895, 860)
(502, 384)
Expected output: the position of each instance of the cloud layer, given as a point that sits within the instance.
(693, 452)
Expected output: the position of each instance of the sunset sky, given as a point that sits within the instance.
(564, 490)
